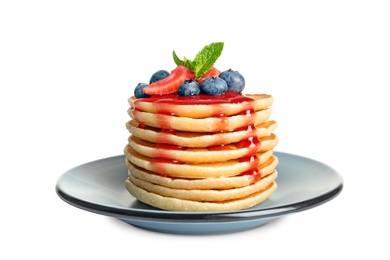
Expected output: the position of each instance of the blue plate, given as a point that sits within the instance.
(98, 187)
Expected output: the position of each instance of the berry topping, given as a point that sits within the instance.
(189, 88)
(138, 91)
(161, 74)
(211, 73)
(214, 86)
(193, 77)
(203, 61)
(234, 80)
(170, 84)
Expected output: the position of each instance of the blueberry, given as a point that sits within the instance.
(161, 74)
(234, 80)
(189, 88)
(214, 86)
(138, 93)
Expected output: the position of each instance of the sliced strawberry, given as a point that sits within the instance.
(170, 84)
(211, 73)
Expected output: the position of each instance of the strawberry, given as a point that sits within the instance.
(211, 73)
(170, 84)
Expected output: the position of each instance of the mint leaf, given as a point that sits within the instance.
(203, 61)
(187, 63)
(177, 60)
(206, 58)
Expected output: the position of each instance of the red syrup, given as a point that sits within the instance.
(141, 125)
(253, 160)
(201, 99)
(169, 147)
(249, 128)
(159, 162)
(255, 174)
(250, 141)
(219, 147)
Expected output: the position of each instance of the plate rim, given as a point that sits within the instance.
(193, 217)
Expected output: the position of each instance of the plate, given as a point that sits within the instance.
(98, 187)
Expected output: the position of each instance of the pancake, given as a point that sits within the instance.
(264, 169)
(164, 106)
(201, 153)
(193, 139)
(175, 204)
(210, 154)
(203, 125)
(203, 170)
(205, 195)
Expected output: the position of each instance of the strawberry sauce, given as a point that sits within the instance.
(250, 142)
(201, 99)
(255, 174)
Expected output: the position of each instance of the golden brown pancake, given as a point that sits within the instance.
(264, 169)
(228, 168)
(202, 125)
(203, 155)
(205, 195)
(260, 102)
(206, 156)
(194, 139)
(175, 204)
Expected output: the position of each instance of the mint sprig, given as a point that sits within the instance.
(203, 61)
(186, 62)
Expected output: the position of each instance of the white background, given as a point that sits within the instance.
(68, 67)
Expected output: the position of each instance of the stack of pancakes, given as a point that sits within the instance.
(201, 157)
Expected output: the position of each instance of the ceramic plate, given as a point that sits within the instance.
(98, 187)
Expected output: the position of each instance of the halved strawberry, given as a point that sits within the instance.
(170, 84)
(211, 73)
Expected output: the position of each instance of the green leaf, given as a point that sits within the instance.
(177, 60)
(206, 58)
(187, 63)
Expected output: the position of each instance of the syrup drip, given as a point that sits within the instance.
(250, 158)
(169, 147)
(141, 125)
(249, 128)
(220, 147)
(158, 165)
(250, 142)
(255, 174)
